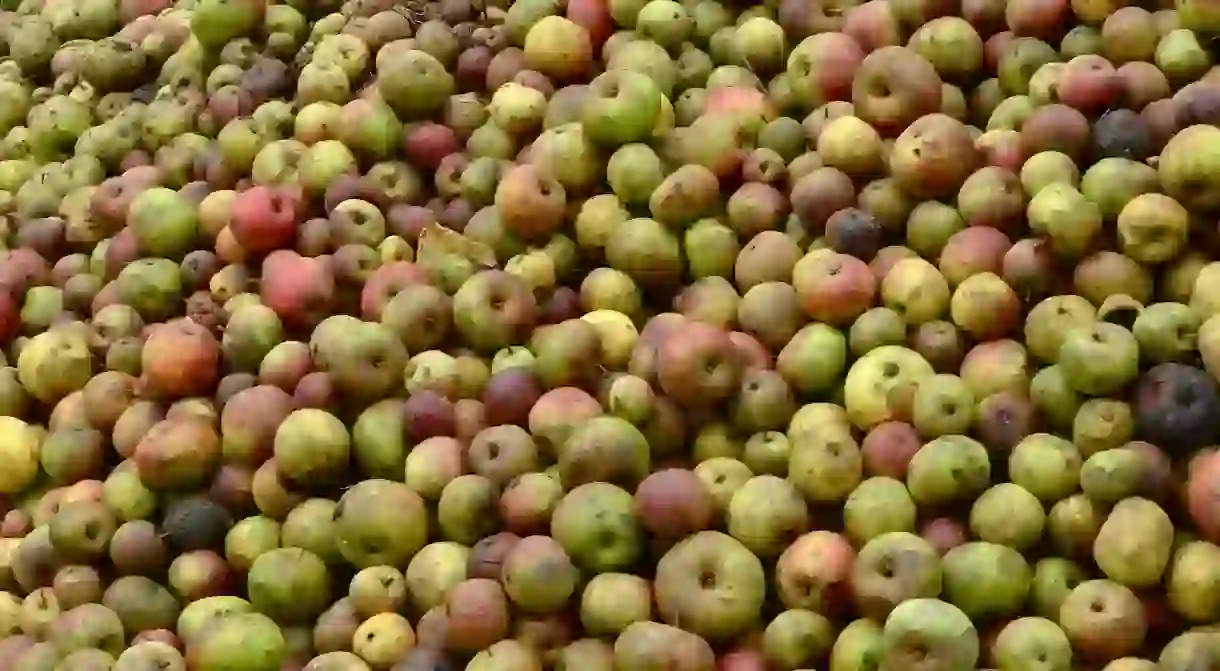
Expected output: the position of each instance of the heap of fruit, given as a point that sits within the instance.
(609, 335)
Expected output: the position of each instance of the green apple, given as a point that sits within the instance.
(215, 22)
(622, 107)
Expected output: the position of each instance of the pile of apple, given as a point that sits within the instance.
(609, 335)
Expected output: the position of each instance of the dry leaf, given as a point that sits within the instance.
(436, 242)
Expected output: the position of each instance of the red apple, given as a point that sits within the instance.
(229, 102)
(995, 46)
(122, 251)
(180, 359)
(834, 288)
(738, 100)
(23, 268)
(943, 533)
(264, 219)
(300, 289)
(428, 143)
(1090, 84)
(873, 25)
(1201, 501)
(742, 659)
(10, 316)
(888, 449)
(973, 250)
(753, 353)
(1037, 18)
(130, 10)
(594, 17)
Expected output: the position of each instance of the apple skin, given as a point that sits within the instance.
(1141, 84)
(122, 251)
(995, 46)
(21, 269)
(215, 24)
(285, 365)
(893, 87)
(384, 283)
(701, 368)
(742, 659)
(509, 396)
(933, 156)
(888, 448)
(1001, 149)
(821, 558)
(300, 289)
(315, 390)
(532, 205)
(823, 66)
(113, 196)
(227, 248)
(594, 17)
(264, 219)
(494, 309)
(1204, 477)
(1036, 18)
(673, 503)
(558, 51)
(427, 414)
(10, 316)
(973, 250)
(816, 196)
(230, 102)
(179, 359)
(1089, 83)
(943, 533)
(427, 144)
(130, 10)
(873, 25)
(753, 353)
(623, 106)
(742, 101)
(834, 288)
